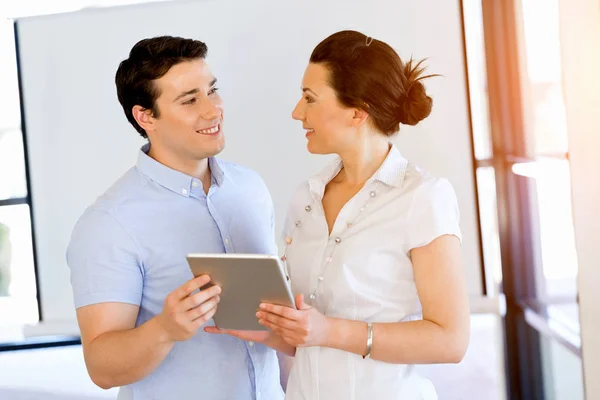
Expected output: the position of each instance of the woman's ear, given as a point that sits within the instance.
(359, 117)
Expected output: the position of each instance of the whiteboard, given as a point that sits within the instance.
(79, 141)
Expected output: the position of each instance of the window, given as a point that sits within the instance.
(482, 144)
(18, 293)
(546, 134)
(524, 189)
(18, 287)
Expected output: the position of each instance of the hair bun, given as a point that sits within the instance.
(417, 104)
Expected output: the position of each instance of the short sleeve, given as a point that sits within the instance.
(104, 263)
(434, 213)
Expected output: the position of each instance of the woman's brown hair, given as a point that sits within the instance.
(368, 74)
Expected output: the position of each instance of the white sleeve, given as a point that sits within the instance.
(434, 213)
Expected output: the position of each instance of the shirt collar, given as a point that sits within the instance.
(391, 172)
(171, 179)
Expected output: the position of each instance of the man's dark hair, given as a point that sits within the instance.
(149, 60)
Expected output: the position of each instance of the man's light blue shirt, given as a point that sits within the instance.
(130, 247)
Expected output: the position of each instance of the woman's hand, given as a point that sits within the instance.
(249, 336)
(303, 327)
(267, 338)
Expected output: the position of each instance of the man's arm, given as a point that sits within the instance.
(117, 353)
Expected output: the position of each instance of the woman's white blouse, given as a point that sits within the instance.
(363, 271)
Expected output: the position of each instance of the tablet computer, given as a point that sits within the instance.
(246, 281)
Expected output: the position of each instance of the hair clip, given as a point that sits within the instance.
(369, 40)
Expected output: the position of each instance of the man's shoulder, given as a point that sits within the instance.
(125, 190)
(235, 168)
(239, 173)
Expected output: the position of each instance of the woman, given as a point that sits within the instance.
(372, 242)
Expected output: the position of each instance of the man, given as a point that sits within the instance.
(138, 306)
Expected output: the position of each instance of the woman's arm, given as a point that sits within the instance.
(441, 337)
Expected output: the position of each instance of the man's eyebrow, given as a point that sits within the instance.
(193, 91)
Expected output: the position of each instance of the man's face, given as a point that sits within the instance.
(189, 126)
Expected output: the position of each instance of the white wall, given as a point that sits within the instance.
(79, 141)
(580, 40)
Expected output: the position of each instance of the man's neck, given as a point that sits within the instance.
(198, 169)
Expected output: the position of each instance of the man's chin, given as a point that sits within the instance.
(214, 150)
(221, 146)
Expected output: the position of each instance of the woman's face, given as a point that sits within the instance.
(330, 127)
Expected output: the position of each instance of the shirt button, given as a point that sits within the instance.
(313, 296)
(226, 241)
(338, 239)
(195, 184)
(321, 278)
(183, 191)
(251, 344)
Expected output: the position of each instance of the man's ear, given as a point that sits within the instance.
(143, 117)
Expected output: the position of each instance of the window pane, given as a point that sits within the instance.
(477, 78)
(546, 119)
(567, 316)
(486, 186)
(18, 302)
(559, 256)
(563, 376)
(12, 165)
(10, 117)
(557, 237)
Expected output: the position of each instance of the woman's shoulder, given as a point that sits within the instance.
(422, 183)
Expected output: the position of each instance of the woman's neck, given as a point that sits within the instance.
(362, 161)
